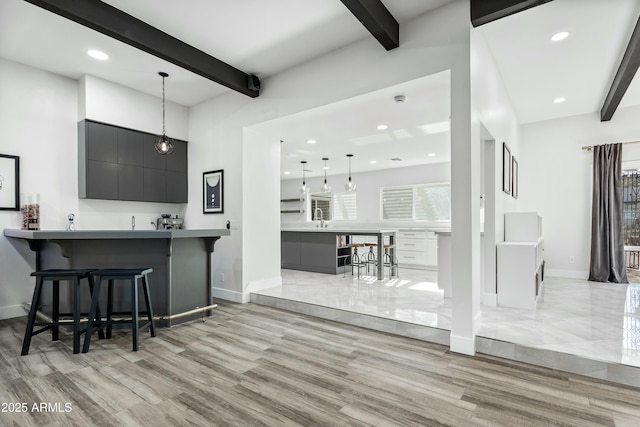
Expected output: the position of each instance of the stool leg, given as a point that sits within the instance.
(98, 315)
(147, 301)
(134, 312)
(95, 296)
(55, 311)
(76, 315)
(26, 343)
(109, 307)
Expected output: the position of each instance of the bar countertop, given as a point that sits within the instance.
(112, 234)
(362, 231)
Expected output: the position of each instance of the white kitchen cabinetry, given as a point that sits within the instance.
(417, 248)
(520, 262)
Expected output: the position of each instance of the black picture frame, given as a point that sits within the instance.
(514, 177)
(506, 168)
(213, 192)
(9, 182)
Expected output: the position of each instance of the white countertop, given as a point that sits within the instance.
(341, 230)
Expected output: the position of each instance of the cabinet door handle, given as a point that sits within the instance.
(409, 244)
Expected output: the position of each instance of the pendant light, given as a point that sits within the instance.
(163, 144)
(325, 188)
(350, 186)
(304, 187)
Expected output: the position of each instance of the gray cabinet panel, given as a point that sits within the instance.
(318, 250)
(127, 167)
(290, 248)
(177, 161)
(153, 159)
(130, 147)
(177, 190)
(130, 179)
(102, 180)
(154, 185)
(102, 142)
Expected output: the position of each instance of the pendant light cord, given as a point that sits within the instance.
(164, 132)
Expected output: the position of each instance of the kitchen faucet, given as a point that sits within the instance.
(315, 214)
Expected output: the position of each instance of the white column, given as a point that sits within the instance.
(465, 215)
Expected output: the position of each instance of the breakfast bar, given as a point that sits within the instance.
(181, 261)
(319, 249)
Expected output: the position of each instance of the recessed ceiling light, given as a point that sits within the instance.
(559, 100)
(431, 154)
(311, 141)
(560, 36)
(96, 54)
(382, 127)
(373, 162)
(287, 173)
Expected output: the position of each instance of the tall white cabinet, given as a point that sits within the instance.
(520, 259)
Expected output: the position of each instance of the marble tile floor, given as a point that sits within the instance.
(595, 321)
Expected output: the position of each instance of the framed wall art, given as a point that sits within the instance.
(9, 183)
(506, 168)
(213, 191)
(514, 177)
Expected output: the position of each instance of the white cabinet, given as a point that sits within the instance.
(520, 260)
(417, 248)
(520, 273)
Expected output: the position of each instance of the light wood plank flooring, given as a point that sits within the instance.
(254, 365)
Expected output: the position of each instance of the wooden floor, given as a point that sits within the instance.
(252, 365)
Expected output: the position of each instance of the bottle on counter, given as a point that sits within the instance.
(30, 209)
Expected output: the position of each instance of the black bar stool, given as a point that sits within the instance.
(55, 276)
(357, 261)
(112, 274)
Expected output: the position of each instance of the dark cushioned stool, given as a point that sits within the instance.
(55, 276)
(112, 274)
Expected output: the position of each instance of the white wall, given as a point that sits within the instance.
(432, 43)
(38, 116)
(368, 187)
(38, 122)
(556, 180)
(498, 123)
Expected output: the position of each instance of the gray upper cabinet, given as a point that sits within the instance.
(115, 163)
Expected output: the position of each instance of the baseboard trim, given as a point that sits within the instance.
(11, 311)
(259, 285)
(567, 274)
(463, 345)
(227, 295)
(489, 299)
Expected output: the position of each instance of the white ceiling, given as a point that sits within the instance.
(536, 70)
(267, 37)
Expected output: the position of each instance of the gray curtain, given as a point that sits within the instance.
(607, 239)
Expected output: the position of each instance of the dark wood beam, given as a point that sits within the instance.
(485, 11)
(114, 23)
(377, 19)
(627, 70)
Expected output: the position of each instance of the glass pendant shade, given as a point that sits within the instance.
(350, 186)
(303, 189)
(326, 188)
(163, 145)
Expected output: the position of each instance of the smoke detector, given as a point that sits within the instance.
(399, 98)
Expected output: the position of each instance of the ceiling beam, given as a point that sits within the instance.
(627, 70)
(119, 25)
(377, 19)
(485, 11)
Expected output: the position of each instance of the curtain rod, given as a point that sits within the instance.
(590, 147)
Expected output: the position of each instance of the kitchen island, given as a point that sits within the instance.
(325, 250)
(181, 262)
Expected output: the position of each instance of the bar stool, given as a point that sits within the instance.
(371, 256)
(356, 260)
(55, 276)
(390, 261)
(111, 275)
